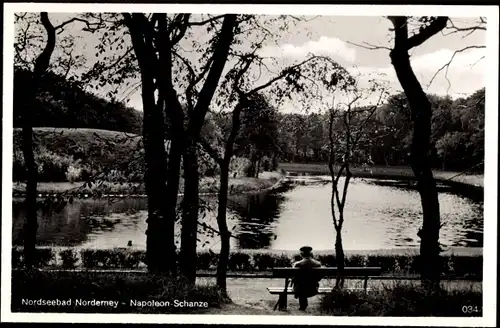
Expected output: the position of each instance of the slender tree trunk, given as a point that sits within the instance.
(41, 65)
(190, 205)
(223, 229)
(339, 256)
(420, 160)
(172, 191)
(31, 224)
(257, 167)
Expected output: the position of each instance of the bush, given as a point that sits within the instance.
(133, 260)
(206, 261)
(239, 165)
(283, 261)
(263, 261)
(45, 257)
(73, 173)
(239, 262)
(327, 260)
(68, 258)
(97, 258)
(401, 300)
(459, 266)
(17, 257)
(108, 286)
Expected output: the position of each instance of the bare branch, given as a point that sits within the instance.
(446, 66)
(204, 22)
(90, 27)
(369, 46)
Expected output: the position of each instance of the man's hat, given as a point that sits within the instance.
(306, 249)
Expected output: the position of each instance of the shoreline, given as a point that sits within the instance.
(208, 186)
(390, 173)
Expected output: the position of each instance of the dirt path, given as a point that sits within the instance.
(250, 295)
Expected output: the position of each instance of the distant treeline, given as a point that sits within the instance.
(64, 104)
(457, 139)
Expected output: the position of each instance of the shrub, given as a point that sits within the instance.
(356, 261)
(239, 262)
(263, 261)
(97, 258)
(44, 257)
(327, 260)
(73, 173)
(239, 165)
(401, 300)
(205, 260)
(134, 259)
(283, 261)
(68, 258)
(103, 285)
(17, 257)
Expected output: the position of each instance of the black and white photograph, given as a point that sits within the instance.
(204, 163)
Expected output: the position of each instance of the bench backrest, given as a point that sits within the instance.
(328, 272)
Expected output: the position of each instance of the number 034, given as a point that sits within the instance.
(470, 309)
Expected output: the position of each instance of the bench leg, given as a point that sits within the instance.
(282, 302)
(365, 284)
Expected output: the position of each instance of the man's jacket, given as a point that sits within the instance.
(306, 281)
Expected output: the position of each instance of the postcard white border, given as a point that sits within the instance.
(491, 165)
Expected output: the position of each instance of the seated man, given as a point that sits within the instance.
(305, 283)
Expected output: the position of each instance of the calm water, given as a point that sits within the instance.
(297, 214)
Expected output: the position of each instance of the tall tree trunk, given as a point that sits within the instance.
(160, 232)
(339, 256)
(41, 65)
(421, 112)
(190, 206)
(160, 246)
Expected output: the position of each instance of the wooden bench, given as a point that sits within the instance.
(349, 273)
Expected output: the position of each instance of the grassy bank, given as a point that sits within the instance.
(123, 293)
(454, 264)
(207, 185)
(400, 299)
(382, 172)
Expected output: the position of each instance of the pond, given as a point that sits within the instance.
(377, 216)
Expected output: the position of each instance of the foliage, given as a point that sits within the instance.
(73, 285)
(402, 300)
(63, 103)
(78, 154)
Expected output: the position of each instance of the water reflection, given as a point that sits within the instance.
(296, 214)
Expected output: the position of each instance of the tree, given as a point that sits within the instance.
(239, 89)
(39, 65)
(346, 131)
(155, 41)
(258, 134)
(421, 113)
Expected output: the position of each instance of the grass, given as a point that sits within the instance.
(125, 289)
(404, 299)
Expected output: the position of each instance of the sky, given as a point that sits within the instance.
(340, 37)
